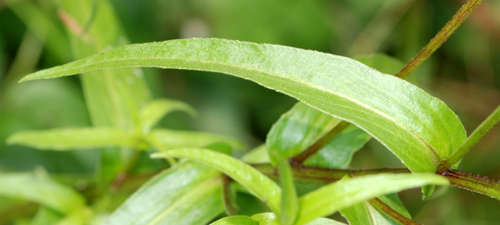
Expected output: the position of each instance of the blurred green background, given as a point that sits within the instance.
(465, 73)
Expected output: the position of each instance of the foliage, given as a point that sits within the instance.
(145, 173)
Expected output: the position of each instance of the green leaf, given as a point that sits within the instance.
(41, 190)
(348, 192)
(156, 109)
(270, 219)
(254, 181)
(381, 62)
(420, 129)
(69, 139)
(188, 193)
(289, 198)
(236, 220)
(177, 139)
(296, 130)
(113, 97)
(337, 154)
(364, 213)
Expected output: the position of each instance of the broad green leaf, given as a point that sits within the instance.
(381, 62)
(177, 139)
(188, 193)
(348, 192)
(270, 219)
(69, 139)
(420, 129)
(337, 154)
(113, 97)
(364, 213)
(236, 220)
(289, 198)
(254, 181)
(156, 109)
(296, 130)
(41, 190)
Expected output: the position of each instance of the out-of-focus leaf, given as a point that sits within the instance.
(270, 219)
(254, 181)
(156, 109)
(41, 190)
(257, 155)
(289, 198)
(177, 139)
(365, 213)
(113, 98)
(296, 130)
(348, 192)
(188, 193)
(45, 216)
(69, 139)
(337, 154)
(420, 129)
(236, 220)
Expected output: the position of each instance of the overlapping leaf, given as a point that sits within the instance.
(420, 129)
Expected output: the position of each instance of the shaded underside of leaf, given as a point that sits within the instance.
(418, 128)
(364, 213)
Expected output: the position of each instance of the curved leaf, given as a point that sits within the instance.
(364, 213)
(41, 190)
(236, 220)
(254, 181)
(270, 219)
(174, 197)
(348, 192)
(420, 129)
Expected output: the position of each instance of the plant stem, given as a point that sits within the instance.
(469, 181)
(322, 175)
(473, 182)
(320, 143)
(471, 141)
(440, 37)
(380, 205)
(226, 196)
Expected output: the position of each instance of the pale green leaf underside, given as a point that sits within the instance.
(41, 190)
(420, 129)
(254, 181)
(347, 192)
(189, 193)
(68, 139)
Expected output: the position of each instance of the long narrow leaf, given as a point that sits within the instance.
(178, 139)
(254, 181)
(69, 139)
(420, 129)
(156, 109)
(189, 193)
(348, 192)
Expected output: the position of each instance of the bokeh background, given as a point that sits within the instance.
(465, 73)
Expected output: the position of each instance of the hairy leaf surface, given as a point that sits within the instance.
(420, 129)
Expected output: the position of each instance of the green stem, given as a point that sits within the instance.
(473, 182)
(440, 37)
(380, 205)
(320, 143)
(471, 141)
